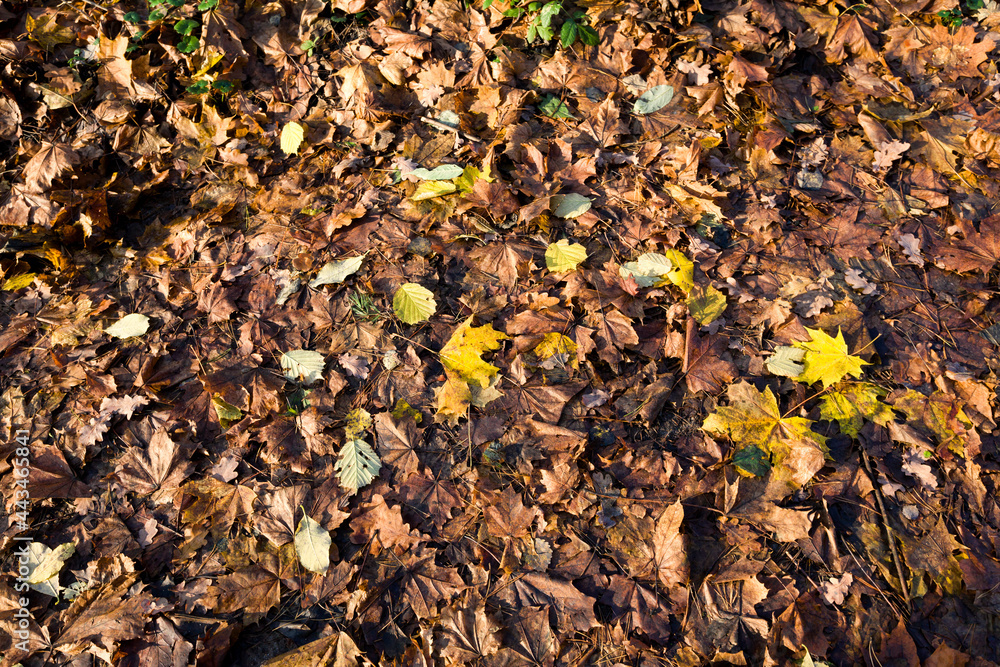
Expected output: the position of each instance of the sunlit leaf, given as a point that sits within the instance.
(648, 270)
(572, 205)
(357, 465)
(227, 413)
(853, 404)
(653, 99)
(432, 189)
(18, 281)
(706, 303)
(45, 564)
(129, 326)
(312, 544)
(292, 135)
(445, 172)
(462, 354)
(827, 360)
(564, 256)
(752, 419)
(337, 272)
(413, 303)
(357, 421)
(304, 366)
(786, 361)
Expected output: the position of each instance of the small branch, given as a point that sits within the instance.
(888, 530)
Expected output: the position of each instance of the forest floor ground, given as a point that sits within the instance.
(562, 333)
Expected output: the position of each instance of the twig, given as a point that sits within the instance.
(888, 530)
(448, 128)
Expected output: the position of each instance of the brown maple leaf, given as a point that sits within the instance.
(509, 519)
(277, 522)
(158, 471)
(427, 584)
(978, 251)
(573, 608)
(466, 632)
(382, 527)
(252, 590)
(956, 53)
(216, 502)
(48, 164)
(285, 446)
(432, 497)
(669, 547)
(396, 444)
(705, 368)
(646, 610)
(51, 477)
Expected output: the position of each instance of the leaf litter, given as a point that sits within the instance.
(745, 416)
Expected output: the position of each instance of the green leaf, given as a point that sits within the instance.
(156, 15)
(653, 100)
(445, 172)
(553, 107)
(706, 303)
(303, 365)
(432, 189)
(568, 33)
(334, 273)
(549, 11)
(589, 36)
(312, 544)
(292, 135)
(223, 86)
(786, 361)
(198, 88)
(186, 26)
(132, 17)
(413, 303)
(564, 256)
(129, 326)
(207, 5)
(188, 45)
(751, 462)
(570, 206)
(357, 465)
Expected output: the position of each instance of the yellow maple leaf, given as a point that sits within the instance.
(851, 405)
(753, 422)
(556, 343)
(682, 273)
(940, 414)
(827, 359)
(461, 355)
(453, 399)
(471, 379)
